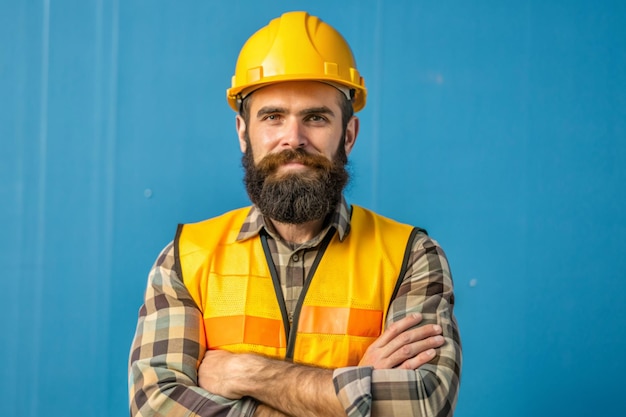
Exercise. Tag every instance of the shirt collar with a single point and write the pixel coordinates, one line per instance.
(255, 222)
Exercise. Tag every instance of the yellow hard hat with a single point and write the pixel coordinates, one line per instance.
(296, 46)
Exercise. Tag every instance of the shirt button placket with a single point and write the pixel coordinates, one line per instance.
(293, 259)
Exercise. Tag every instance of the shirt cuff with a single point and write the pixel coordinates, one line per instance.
(353, 386)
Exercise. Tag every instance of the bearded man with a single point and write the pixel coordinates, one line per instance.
(300, 305)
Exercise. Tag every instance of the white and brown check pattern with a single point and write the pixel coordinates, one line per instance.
(168, 345)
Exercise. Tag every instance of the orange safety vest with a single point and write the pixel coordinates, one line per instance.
(342, 308)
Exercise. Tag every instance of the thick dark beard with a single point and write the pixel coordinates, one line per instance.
(299, 197)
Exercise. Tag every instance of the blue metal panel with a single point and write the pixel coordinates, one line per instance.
(501, 128)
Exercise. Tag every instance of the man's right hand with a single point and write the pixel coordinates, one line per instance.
(404, 346)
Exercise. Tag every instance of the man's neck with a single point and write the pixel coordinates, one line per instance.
(298, 233)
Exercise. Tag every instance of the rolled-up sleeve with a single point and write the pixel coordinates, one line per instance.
(432, 389)
(167, 349)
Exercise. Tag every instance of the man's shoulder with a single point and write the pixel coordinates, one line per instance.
(205, 234)
(234, 213)
(370, 214)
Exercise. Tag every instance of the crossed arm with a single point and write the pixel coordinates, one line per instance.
(400, 373)
(283, 388)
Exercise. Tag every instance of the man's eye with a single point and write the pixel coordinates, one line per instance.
(316, 118)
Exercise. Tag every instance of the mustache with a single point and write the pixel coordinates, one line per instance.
(272, 161)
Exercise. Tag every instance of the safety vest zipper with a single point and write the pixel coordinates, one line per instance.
(291, 329)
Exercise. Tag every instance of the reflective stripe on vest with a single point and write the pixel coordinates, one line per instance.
(342, 308)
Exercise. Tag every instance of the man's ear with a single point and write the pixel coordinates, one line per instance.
(241, 132)
(352, 131)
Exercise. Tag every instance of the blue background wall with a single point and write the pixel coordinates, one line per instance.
(498, 126)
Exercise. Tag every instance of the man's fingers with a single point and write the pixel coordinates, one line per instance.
(408, 342)
(404, 344)
(415, 354)
(377, 353)
(397, 329)
(419, 360)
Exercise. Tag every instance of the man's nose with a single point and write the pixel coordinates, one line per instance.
(294, 135)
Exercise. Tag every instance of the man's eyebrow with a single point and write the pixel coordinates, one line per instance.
(263, 111)
(317, 110)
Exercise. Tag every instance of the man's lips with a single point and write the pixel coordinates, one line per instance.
(292, 166)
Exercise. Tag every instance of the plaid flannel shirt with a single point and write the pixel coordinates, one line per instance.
(167, 351)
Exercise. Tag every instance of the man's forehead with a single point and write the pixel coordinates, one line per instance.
(300, 94)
